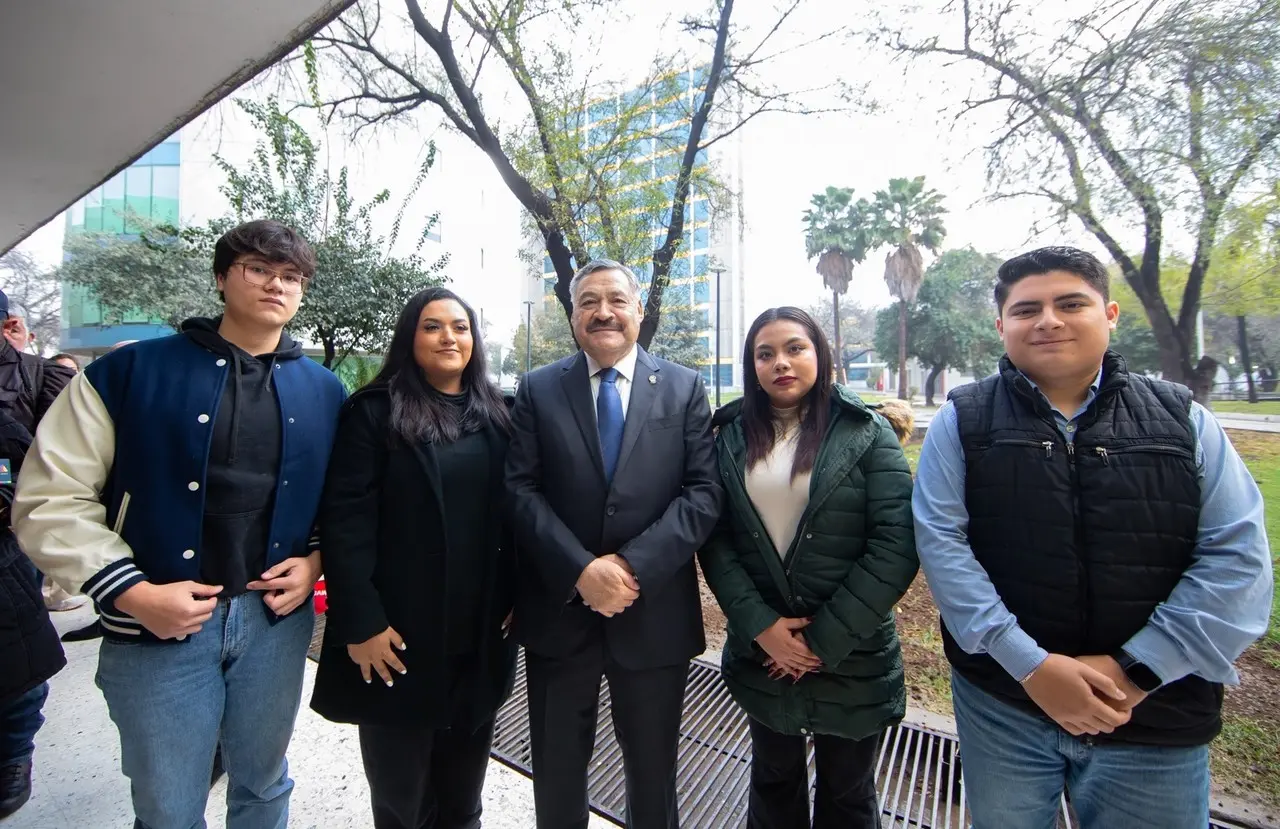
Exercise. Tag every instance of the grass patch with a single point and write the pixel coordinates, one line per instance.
(1261, 452)
(1263, 407)
(1245, 759)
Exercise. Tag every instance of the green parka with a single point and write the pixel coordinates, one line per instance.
(852, 559)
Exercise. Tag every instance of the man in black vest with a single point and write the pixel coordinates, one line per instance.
(1097, 549)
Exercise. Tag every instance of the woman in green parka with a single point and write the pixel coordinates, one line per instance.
(813, 550)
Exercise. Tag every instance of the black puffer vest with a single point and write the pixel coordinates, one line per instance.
(1083, 540)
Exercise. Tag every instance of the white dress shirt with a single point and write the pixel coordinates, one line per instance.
(626, 375)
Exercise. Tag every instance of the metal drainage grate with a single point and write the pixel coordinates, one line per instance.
(917, 770)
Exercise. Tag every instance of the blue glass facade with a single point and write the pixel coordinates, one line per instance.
(667, 117)
(148, 188)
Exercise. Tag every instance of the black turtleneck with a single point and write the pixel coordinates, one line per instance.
(244, 461)
(464, 477)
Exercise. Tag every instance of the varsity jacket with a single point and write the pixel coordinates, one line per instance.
(112, 493)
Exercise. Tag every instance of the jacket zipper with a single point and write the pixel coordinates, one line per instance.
(1158, 448)
(1082, 566)
(1046, 445)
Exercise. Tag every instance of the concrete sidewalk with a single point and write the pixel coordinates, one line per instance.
(78, 783)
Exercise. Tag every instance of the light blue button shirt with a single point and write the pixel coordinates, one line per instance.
(1220, 607)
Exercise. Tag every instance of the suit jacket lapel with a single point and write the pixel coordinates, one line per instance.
(643, 393)
(577, 388)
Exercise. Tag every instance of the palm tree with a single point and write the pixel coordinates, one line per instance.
(839, 234)
(909, 217)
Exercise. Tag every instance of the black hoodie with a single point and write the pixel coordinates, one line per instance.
(244, 461)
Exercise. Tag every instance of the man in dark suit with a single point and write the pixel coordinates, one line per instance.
(613, 481)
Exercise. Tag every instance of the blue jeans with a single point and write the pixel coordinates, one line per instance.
(19, 722)
(1016, 764)
(237, 681)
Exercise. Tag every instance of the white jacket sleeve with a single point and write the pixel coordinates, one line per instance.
(58, 515)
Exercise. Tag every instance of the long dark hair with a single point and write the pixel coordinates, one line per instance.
(815, 408)
(418, 411)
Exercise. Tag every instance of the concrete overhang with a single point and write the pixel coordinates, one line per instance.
(88, 86)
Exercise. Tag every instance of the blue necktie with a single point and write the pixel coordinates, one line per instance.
(609, 420)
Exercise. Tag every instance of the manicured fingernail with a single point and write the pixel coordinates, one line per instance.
(390, 683)
(403, 646)
(404, 671)
(368, 682)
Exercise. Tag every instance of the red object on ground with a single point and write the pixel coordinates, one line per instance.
(322, 597)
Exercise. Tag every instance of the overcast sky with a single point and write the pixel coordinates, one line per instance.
(897, 131)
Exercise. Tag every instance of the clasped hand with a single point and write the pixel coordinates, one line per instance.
(608, 585)
(1084, 695)
(789, 653)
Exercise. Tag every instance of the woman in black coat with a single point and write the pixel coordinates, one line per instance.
(419, 570)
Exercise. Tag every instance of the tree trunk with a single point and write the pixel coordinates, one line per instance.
(930, 383)
(1242, 328)
(1177, 361)
(842, 374)
(903, 392)
(329, 351)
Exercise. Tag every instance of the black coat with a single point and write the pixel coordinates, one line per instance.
(663, 503)
(30, 652)
(382, 537)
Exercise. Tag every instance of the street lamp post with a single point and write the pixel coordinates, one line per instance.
(528, 336)
(717, 270)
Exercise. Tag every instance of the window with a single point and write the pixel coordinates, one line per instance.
(549, 286)
(677, 296)
(705, 371)
(705, 344)
(137, 191)
(702, 211)
(706, 318)
(701, 265)
(701, 292)
(113, 189)
(547, 266)
(726, 374)
(164, 182)
(603, 110)
(701, 238)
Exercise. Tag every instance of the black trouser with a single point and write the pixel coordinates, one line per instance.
(423, 778)
(846, 791)
(646, 705)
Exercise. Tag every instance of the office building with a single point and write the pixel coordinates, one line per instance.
(147, 189)
(714, 228)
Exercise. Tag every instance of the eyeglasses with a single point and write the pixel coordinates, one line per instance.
(261, 276)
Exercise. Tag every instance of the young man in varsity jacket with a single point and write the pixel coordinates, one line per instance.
(176, 483)
(1096, 547)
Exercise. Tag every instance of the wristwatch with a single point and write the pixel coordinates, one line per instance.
(1143, 678)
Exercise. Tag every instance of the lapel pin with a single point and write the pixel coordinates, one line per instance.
(653, 379)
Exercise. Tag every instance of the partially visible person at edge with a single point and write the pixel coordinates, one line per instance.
(1096, 547)
(613, 488)
(177, 483)
(29, 648)
(814, 549)
(420, 570)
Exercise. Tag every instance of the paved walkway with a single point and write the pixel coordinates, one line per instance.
(78, 784)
